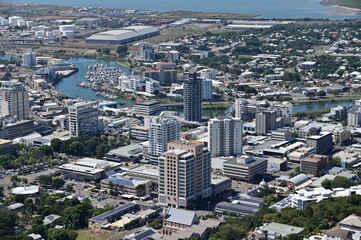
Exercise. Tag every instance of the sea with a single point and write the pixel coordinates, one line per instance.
(285, 9)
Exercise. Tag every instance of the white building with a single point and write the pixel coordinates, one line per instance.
(29, 59)
(225, 137)
(207, 89)
(14, 100)
(162, 130)
(173, 56)
(208, 73)
(14, 20)
(146, 51)
(83, 119)
(151, 86)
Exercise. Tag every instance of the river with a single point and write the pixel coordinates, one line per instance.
(264, 8)
(69, 86)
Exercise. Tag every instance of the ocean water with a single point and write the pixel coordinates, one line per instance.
(263, 8)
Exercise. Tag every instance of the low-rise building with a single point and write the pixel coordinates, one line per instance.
(244, 168)
(146, 108)
(139, 132)
(145, 171)
(244, 205)
(276, 231)
(111, 216)
(89, 169)
(177, 219)
(128, 185)
(6, 146)
(220, 184)
(313, 164)
(130, 153)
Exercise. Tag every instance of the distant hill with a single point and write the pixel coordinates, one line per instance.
(346, 3)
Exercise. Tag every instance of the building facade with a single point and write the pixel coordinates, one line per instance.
(29, 59)
(192, 99)
(225, 137)
(207, 89)
(184, 174)
(265, 121)
(14, 100)
(146, 51)
(162, 130)
(83, 119)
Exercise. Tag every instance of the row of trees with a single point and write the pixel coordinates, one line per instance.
(88, 145)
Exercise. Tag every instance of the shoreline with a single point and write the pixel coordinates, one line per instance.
(340, 10)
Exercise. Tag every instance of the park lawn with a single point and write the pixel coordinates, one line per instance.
(93, 235)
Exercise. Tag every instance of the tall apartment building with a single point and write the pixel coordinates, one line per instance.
(207, 89)
(29, 59)
(184, 174)
(208, 73)
(162, 130)
(354, 117)
(14, 100)
(83, 119)
(265, 121)
(192, 99)
(146, 51)
(163, 76)
(173, 56)
(225, 137)
(246, 110)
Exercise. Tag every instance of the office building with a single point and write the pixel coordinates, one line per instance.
(184, 174)
(173, 56)
(322, 142)
(207, 89)
(246, 110)
(225, 137)
(128, 185)
(131, 153)
(192, 99)
(166, 77)
(83, 119)
(146, 51)
(6, 146)
(14, 100)
(17, 129)
(29, 59)
(313, 163)
(265, 122)
(244, 168)
(146, 108)
(162, 130)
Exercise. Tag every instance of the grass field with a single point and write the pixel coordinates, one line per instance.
(170, 34)
(92, 235)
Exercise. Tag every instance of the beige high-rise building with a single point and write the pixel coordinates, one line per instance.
(14, 100)
(184, 174)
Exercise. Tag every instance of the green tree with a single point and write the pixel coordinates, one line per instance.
(122, 49)
(106, 51)
(327, 183)
(56, 144)
(61, 234)
(321, 93)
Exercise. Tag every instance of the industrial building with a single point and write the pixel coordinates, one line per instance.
(123, 36)
(244, 205)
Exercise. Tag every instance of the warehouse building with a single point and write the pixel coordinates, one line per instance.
(123, 36)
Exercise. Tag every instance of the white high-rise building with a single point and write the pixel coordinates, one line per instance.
(207, 89)
(146, 51)
(14, 100)
(225, 137)
(162, 130)
(29, 59)
(184, 174)
(208, 73)
(83, 119)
